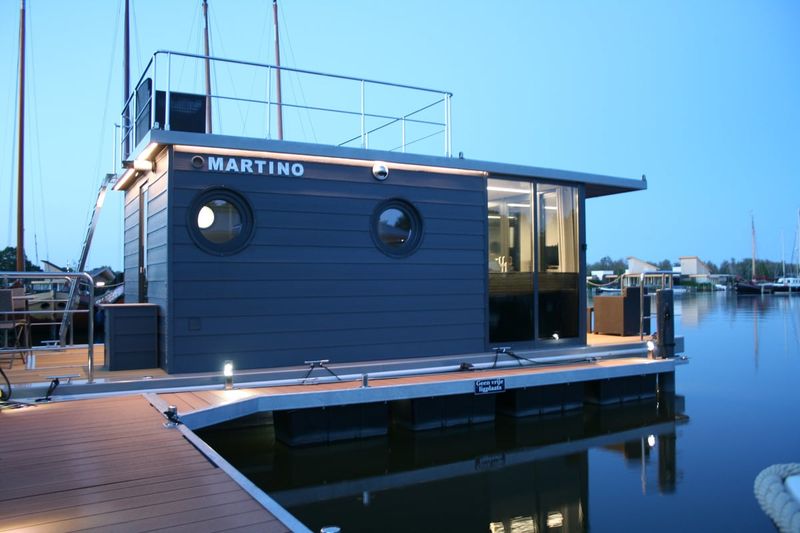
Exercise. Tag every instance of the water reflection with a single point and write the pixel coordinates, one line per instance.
(528, 474)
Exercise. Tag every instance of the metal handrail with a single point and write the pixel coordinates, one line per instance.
(131, 114)
(77, 276)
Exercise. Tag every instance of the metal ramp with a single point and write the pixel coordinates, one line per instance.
(72, 300)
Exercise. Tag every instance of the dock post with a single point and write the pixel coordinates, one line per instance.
(665, 320)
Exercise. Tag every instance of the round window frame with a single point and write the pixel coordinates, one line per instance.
(235, 198)
(417, 228)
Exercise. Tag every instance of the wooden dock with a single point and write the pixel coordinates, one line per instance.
(111, 465)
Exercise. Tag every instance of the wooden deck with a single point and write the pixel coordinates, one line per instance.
(110, 465)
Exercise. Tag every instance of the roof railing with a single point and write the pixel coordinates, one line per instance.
(321, 108)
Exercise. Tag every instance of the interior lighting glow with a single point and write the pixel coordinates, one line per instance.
(507, 189)
(100, 284)
(205, 218)
(519, 205)
(555, 520)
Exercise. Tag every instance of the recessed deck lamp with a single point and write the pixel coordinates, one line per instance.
(227, 371)
(651, 348)
(556, 336)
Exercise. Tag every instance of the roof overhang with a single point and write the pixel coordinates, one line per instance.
(595, 184)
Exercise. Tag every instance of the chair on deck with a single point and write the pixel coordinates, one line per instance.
(619, 315)
(14, 326)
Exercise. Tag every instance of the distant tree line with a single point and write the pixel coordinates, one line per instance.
(8, 261)
(765, 269)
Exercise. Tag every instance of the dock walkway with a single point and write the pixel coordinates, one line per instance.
(110, 465)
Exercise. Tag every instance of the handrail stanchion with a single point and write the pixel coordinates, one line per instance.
(403, 133)
(169, 90)
(269, 102)
(363, 124)
(641, 306)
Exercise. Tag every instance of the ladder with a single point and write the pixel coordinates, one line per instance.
(72, 301)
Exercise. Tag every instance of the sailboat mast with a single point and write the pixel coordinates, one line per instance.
(278, 71)
(126, 54)
(753, 264)
(21, 144)
(126, 76)
(208, 67)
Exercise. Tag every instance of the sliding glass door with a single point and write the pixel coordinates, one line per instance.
(510, 261)
(558, 262)
(533, 262)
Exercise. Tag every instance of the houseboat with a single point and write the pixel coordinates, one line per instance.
(272, 253)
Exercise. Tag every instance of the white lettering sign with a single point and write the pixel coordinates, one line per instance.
(265, 167)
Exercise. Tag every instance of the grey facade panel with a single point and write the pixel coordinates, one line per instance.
(312, 284)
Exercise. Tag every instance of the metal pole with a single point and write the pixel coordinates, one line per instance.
(278, 73)
(90, 333)
(126, 80)
(208, 66)
(363, 125)
(447, 132)
(153, 94)
(641, 306)
(169, 90)
(21, 145)
(269, 102)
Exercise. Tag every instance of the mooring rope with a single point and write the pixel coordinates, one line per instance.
(775, 500)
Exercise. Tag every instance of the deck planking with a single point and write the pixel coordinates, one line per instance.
(109, 464)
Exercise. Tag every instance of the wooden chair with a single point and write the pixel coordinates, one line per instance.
(14, 326)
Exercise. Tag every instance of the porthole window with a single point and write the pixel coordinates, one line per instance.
(397, 228)
(220, 221)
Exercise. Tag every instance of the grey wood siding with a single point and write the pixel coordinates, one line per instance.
(312, 284)
(157, 244)
(131, 244)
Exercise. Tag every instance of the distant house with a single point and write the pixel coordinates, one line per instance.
(602, 274)
(692, 266)
(637, 266)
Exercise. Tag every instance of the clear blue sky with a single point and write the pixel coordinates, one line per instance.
(702, 97)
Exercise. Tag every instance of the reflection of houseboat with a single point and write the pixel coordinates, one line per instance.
(271, 253)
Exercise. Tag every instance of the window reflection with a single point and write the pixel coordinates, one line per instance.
(558, 261)
(510, 261)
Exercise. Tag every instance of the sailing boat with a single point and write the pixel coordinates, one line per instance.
(790, 284)
(752, 286)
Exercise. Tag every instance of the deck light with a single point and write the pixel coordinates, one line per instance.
(651, 440)
(556, 336)
(227, 371)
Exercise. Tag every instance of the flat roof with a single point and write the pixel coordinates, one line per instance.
(596, 184)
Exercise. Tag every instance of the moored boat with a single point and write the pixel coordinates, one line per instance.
(787, 285)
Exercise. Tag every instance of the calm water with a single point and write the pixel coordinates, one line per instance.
(687, 465)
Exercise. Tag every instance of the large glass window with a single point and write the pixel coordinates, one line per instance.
(558, 261)
(510, 261)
